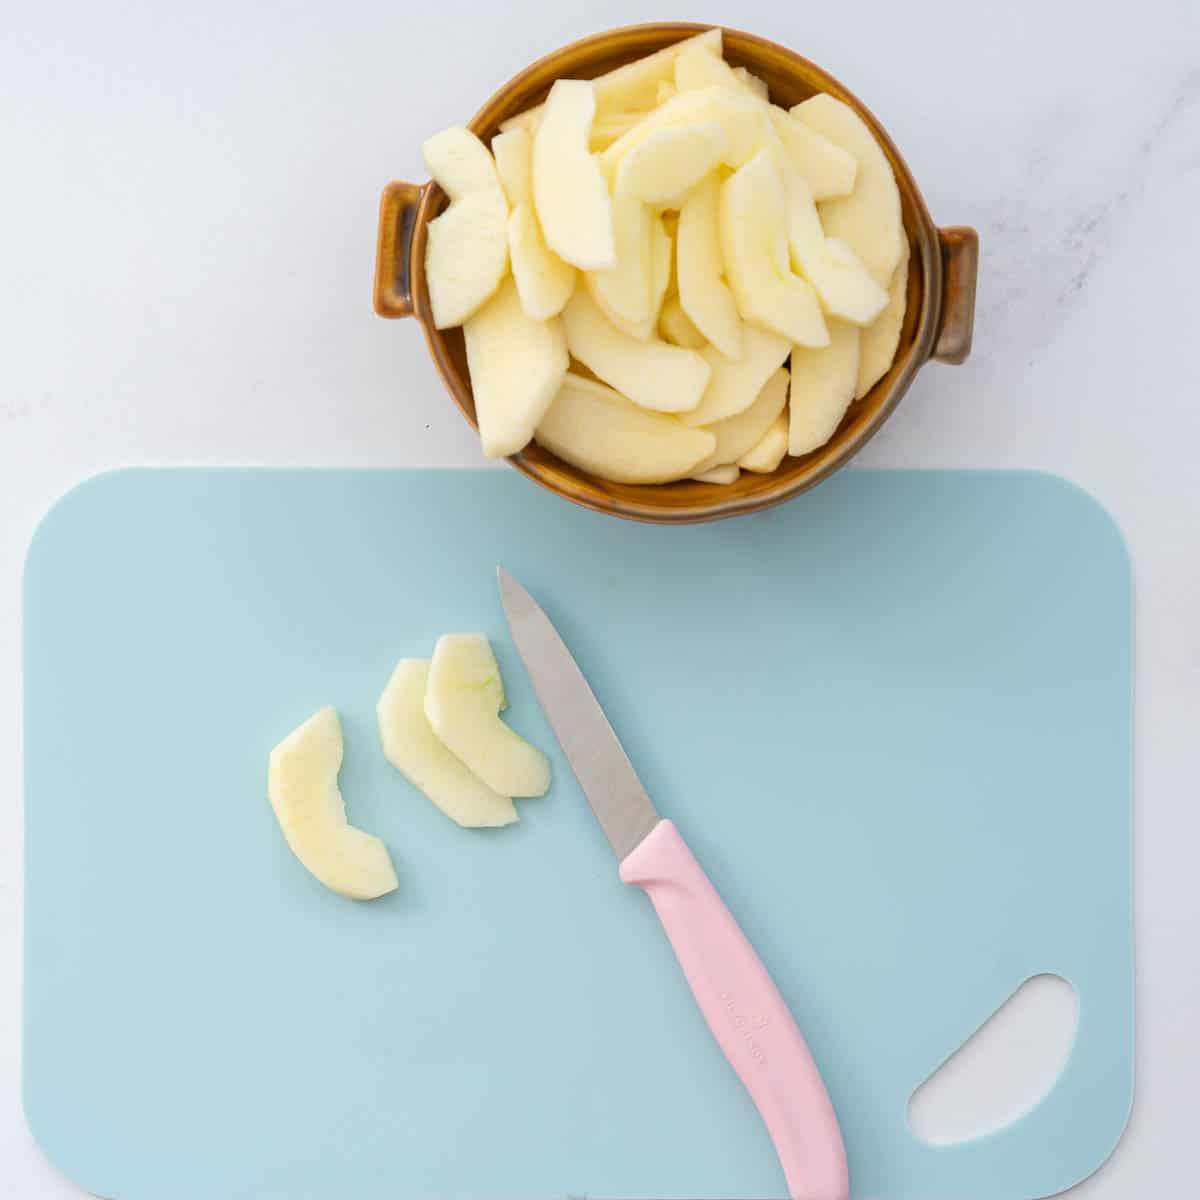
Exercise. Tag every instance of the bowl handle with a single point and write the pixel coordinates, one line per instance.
(960, 268)
(393, 274)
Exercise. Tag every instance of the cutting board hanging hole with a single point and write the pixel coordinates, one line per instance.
(1003, 1070)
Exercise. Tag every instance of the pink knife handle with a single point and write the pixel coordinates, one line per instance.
(746, 1014)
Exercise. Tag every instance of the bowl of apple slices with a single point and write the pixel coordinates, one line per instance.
(674, 273)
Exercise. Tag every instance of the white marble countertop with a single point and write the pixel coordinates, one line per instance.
(188, 224)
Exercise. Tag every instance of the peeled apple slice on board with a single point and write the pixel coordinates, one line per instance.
(653, 373)
(544, 281)
(754, 244)
(412, 747)
(517, 365)
(569, 192)
(463, 702)
(302, 782)
(868, 220)
(599, 431)
(822, 388)
(467, 250)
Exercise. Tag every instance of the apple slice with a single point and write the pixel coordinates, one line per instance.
(868, 220)
(599, 431)
(827, 169)
(652, 373)
(754, 244)
(302, 782)
(877, 346)
(630, 90)
(769, 451)
(635, 85)
(463, 702)
(607, 127)
(822, 388)
(544, 281)
(728, 473)
(739, 434)
(669, 161)
(736, 384)
(665, 91)
(677, 328)
(844, 286)
(467, 251)
(698, 67)
(624, 288)
(752, 83)
(517, 365)
(703, 292)
(570, 194)
(661, 256)
(412, 747)
(740, 115)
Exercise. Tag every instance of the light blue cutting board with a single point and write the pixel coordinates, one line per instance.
(892, 718)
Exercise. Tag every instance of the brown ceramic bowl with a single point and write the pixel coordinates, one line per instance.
(941, 283)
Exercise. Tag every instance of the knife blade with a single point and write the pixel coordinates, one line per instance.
(596, 756)
(741, 1004)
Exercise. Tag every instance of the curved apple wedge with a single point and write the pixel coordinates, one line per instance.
(467, 252)
(463, 701)
(868, 220)
(598, 430)
(303, 788)
(754, 243)
(412, 747)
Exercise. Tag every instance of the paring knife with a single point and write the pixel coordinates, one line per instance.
(742, 1006)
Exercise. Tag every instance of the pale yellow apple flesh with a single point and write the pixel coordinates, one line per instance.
(302, 783)
(751, 82)
(635, 85)
(517, 365)
(703, 292)
(739, 434)
(877, 346)
(569, 191)
(868, 220)
(669, 161)
(735, 385)
(740, 115)
(463, 700)
(728, 473)
(661, 258)
(628, 91)
(698, 67)
(412, 747)
(822, 388)
(827, 169)
(754, 244)
(844, 286)
(544, 281)
(652, 374)
(677, 328)
(466, 253)
(770, 450)
(599, 431)
(624, 288)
